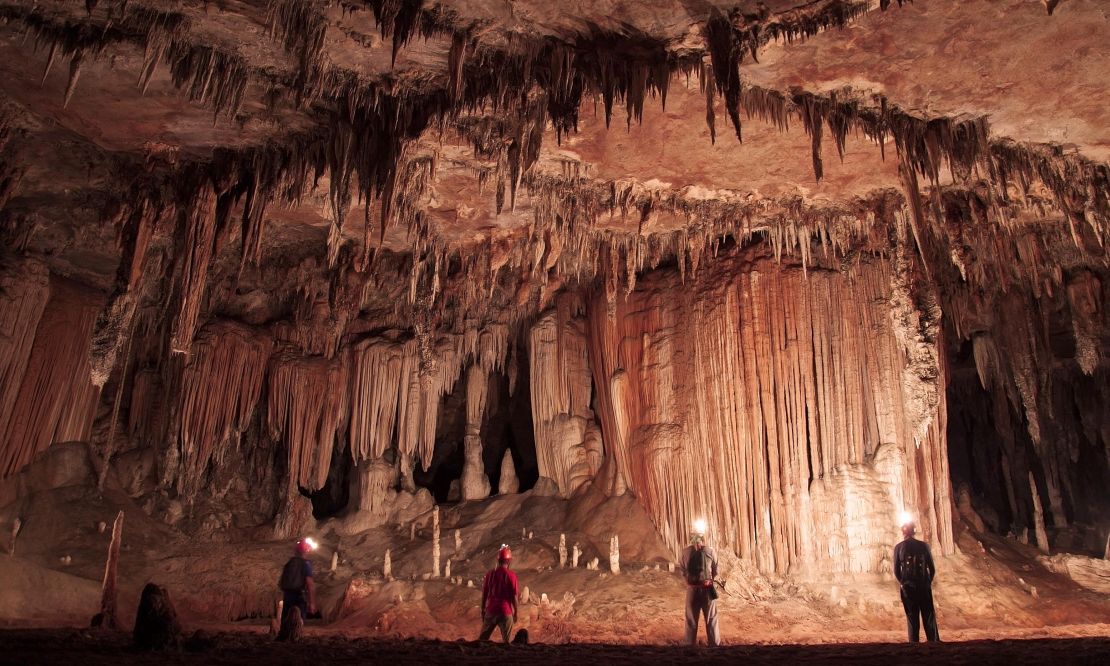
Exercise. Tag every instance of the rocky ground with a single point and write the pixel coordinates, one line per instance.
(223, 584)
(93, 649)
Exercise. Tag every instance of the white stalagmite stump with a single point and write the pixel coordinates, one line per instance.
(334, 561)
(562, 551)
(412, 532)
(435, 542)
(447, 569)
(16, 524)
(387, 567)
(592, 566)
(509, 484)
(615, 554)
(575, 553)
(525, 595)
(458, 542)
(1038, 516)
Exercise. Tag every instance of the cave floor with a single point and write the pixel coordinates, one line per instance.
(66, 646)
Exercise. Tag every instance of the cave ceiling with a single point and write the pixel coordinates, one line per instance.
(410, 125)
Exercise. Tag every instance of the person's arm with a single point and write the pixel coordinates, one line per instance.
(897, 564)
(310, 586)
(683, 560)
(929, 566)
(713, 571)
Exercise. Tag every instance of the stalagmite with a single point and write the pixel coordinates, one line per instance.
(16, 525)
(593, 564)
(447, 569)
(575, 554)
(106, 618)
(615, 554)
(435, 542)
(334, 561)
(458, 543)
(562, 551)
(475, 483)
(156, 624)
(1038, 516)
(412, 531)
(508, 484)
(525, 595)
(387, 566)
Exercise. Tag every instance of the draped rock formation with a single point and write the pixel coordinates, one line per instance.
(277, 262)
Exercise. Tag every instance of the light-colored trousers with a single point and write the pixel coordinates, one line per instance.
(698, 603)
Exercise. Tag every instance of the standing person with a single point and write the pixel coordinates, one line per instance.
(499, 593)
(296, 582)
(699, 563)
(913, 567)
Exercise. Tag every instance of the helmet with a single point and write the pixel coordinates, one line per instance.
(909, 529)
(505, 553)
(305, 545)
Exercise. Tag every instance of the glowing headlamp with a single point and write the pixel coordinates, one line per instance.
(905, 518)
(311, 543)
(699, 526)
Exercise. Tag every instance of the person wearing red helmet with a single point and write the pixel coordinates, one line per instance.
(296, 583)
(499, 595)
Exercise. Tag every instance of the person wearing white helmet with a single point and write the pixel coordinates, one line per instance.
(914, 570)
(699, 564)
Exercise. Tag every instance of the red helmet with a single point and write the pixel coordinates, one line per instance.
(305, 545)
(504, 553)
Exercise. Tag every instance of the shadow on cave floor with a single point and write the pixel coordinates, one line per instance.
(51, 646)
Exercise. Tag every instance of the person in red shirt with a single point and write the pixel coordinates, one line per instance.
(499, 593)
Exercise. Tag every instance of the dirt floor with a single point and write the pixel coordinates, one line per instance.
(93, 648)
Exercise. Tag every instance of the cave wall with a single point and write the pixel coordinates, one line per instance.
(780, 406)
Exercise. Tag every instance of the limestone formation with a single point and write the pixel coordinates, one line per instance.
(615, 554)
(334, 561)
(156, 624)
(280, 264)
(447, 569)
(508, 483)
(475, 483)
(1038, 516)
(107, 618)
(387, 566)
(435, 542)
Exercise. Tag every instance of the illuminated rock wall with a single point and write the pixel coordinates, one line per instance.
(792, 411)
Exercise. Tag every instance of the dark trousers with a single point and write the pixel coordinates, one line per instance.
(918, 602)
(502, 622)
(700, 601)
(295, 600)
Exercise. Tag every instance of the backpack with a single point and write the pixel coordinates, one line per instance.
(292, 576)
(697, 568)
(913, 568)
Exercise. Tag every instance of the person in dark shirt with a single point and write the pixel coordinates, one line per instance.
(699, 565)
(914, 570)
(499, 596)
(296, 583)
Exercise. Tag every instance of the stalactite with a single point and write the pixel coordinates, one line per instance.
(194, 239)
(55, 401)
(24, 292)
(782, 421)
(220, 388)
(306, 412)
(561, 391)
